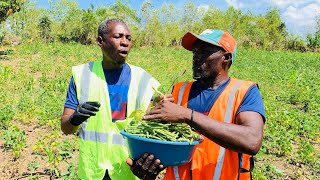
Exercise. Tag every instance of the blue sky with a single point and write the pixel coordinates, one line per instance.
(299, 15)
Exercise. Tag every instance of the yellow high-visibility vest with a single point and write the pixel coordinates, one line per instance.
(101, 145)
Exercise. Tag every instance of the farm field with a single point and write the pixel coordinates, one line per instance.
(34, 79)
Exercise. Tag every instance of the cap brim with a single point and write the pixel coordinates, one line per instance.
(189, 39)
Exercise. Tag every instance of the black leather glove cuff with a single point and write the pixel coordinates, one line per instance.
(75, 120)
(83, 112)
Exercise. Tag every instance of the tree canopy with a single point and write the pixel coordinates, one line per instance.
(65, 22)
(8, 7)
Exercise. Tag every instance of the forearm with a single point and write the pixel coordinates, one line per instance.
(66, 126)
(240, 138)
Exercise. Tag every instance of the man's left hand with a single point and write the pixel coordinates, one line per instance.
(167, 97)
(146, 167)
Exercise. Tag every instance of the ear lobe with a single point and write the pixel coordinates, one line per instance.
(99, 40)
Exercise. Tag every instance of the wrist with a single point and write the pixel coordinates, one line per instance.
(75, 120)
(189, 117)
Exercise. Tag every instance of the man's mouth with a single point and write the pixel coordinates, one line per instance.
(123, 53)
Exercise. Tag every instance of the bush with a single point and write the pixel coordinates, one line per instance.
(296, 43)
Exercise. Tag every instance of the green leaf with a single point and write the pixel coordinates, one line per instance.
(137, 115)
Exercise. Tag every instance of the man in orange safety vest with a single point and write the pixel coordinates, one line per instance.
(228, 112)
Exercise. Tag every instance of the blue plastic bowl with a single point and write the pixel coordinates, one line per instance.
(170, 153)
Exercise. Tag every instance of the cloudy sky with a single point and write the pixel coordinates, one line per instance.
(299, 15)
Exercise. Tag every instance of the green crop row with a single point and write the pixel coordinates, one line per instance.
(34, 80)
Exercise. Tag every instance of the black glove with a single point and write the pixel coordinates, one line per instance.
(83, 112)
(146, 167)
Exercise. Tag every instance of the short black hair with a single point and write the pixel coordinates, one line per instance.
(103, 28)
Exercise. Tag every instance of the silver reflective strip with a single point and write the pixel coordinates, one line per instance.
(101, 137)
(180, 96)
(85, 83)
(142, 88)
(181, 92)
(84, 90)
(227, 119)
(118, 139)
(217, 171)
(176, 173)
(93, 136)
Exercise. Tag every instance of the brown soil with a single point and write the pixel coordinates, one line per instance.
(11, 168)
(18, 169)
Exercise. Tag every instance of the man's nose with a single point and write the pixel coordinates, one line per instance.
(125, 42)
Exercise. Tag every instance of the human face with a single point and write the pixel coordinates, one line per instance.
(207, 61)
(116, 44)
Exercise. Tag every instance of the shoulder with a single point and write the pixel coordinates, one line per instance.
(138, 70)
(242, 83)
(242, 86)
(81, 66)
(142, 74)
(253, 101)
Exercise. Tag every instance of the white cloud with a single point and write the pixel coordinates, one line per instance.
(302, 15)
(235, 3)
(296, 3)
(302, 19)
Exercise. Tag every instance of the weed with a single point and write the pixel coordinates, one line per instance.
(33, 165)
(15, 140)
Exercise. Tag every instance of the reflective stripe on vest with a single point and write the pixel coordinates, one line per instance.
(85, 82)
(181, 91)
(227, 119)
(84, 96)
(101, 137)
(180, 95)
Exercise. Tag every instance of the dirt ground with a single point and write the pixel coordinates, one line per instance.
(19, 169)
(11, 168)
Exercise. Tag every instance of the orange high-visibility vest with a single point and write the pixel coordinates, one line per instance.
(211, 161)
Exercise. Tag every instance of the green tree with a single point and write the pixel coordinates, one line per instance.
(295, 43)
(8, 7)
(44, 27)
(215, 19)
(23, 23)
(123, 11)
(313, 40)
(275, 29)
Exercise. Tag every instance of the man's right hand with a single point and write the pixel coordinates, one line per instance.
(83, 112)
(147, 167)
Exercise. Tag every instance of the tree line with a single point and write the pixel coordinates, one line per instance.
(65, 22)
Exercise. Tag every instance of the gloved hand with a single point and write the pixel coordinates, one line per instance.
(146, 167)
(83, 112)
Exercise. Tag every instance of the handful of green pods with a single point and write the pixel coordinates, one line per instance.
(163, 131)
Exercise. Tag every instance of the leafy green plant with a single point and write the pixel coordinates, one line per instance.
(15, 140)
(33, 87)
(71, 173)
(33, 165)
(8, 7)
